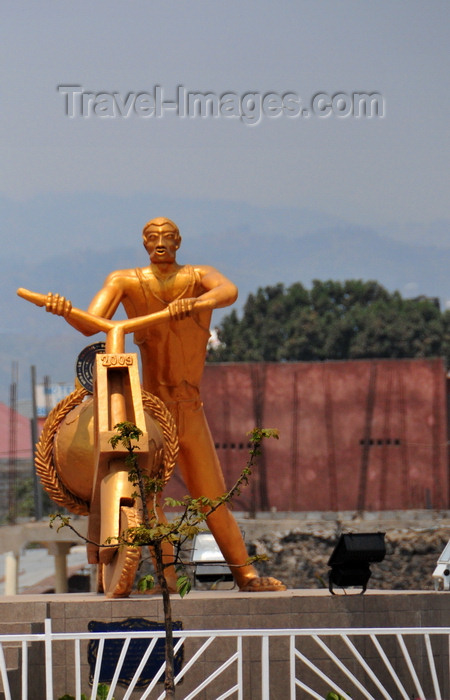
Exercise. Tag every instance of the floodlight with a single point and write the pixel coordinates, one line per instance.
(209, 560)
(441, 573)
(351, 558)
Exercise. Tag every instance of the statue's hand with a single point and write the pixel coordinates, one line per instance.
(56, 304)
(181, 308)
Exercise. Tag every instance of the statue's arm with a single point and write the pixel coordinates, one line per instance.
(60, 306)
(104, 305)
(107, 300)
(219, 290)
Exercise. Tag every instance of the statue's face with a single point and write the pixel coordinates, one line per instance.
(162, 244)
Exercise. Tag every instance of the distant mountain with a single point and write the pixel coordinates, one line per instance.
(252, 247)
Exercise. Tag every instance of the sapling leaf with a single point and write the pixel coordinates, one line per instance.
(146, 583)
(183, 585)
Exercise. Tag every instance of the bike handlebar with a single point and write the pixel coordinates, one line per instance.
(115, 330)
(94, 323)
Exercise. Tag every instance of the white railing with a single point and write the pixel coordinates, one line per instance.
(369, 663)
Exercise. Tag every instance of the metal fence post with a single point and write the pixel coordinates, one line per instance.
(265, 676)
(48, 660)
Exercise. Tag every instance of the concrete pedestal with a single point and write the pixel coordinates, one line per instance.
(215, 610)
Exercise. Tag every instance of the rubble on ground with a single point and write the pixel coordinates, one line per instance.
(300, 558)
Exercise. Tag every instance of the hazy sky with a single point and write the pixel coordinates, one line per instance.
(69, 184)
(389, 171)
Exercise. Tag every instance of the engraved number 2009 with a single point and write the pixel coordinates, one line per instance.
(116, 360)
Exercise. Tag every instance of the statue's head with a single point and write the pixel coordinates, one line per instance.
(161, 233)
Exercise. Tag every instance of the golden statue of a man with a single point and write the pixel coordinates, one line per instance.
(173, 356)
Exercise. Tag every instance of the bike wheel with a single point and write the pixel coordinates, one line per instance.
(118, 576)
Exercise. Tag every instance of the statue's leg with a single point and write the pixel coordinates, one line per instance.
(202, 473)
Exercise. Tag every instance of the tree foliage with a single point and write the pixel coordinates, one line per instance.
(25, 500)
(332, 321)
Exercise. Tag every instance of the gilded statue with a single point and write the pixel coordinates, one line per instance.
(172, 357)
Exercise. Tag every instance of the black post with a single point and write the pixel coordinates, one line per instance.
(34, 438)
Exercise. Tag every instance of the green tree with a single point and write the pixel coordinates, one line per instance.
(26, 507)
(332, 321)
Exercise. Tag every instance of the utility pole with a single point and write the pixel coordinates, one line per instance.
(12, 459)
(34, 438)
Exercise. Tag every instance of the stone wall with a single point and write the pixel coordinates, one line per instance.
(228, 610)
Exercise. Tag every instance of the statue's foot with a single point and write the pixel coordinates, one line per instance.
(262, 584)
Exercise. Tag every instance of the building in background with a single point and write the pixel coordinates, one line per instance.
(363, 435)
(17, 467)
(354, 435)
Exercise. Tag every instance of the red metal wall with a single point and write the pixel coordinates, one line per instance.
(357, 435)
